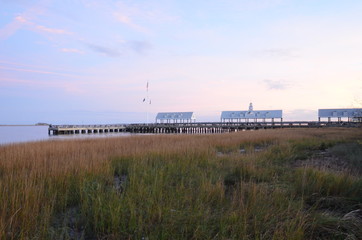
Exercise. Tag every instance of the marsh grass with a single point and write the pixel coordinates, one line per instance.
(225, 186)
(351, 152)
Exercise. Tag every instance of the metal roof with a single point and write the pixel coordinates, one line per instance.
(344, 112)
(251, 114)
(175, 116)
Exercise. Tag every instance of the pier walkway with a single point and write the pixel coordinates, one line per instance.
(76, 129)
(191, 128)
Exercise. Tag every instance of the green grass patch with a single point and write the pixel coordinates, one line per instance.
(310, 181)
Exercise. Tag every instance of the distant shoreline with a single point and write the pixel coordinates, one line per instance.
(20, 125)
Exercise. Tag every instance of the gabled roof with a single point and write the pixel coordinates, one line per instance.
(251, 114)
(175, 116)
(343, 112)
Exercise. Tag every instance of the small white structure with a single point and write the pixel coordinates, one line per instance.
(238, 116)
(349, 114)
(175, 117)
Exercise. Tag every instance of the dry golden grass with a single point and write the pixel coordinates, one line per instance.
(216, 191)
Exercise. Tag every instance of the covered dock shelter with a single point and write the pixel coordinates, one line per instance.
(175, 117)
(346, 114)
(251, 115)
(247, 116)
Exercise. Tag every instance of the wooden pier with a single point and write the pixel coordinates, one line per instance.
(82, 129)
(191, 128)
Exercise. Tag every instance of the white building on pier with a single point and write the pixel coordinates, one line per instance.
(251, 115)
(175, 117)
(348, 114)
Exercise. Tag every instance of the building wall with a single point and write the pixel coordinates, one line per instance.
(335, 113)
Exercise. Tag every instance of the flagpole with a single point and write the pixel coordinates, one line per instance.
(147, 103)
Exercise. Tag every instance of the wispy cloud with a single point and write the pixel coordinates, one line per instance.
(140, 46)
(71, 50)
(276, 85)
(110, 52)
(127, 13)
(26, 20)
(135, 46)
(124, 19)
(40, 28)
(17, 69)
(133, 14)
(11, 28)
(51, 30)
(21, 21)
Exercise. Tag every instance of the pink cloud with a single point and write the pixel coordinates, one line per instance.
(50, 30)
(12, 27)
(23, 21)
(127, 21)
(123, 19)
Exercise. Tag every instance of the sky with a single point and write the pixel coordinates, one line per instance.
(89, 61)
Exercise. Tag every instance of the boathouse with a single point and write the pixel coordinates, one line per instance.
(175, 117)
(251, 115)
(346, 114)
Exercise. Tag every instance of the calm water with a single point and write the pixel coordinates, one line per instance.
(17, 134)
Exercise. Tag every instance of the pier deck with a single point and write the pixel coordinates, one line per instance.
(76, 129)
(191, 128)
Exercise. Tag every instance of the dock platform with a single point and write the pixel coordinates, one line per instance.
(191, 128)
(82, 129)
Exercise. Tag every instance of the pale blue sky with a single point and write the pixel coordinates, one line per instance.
(88, 61)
